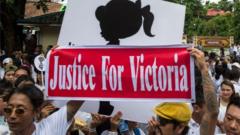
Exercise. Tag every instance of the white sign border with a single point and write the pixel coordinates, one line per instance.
(192, 76)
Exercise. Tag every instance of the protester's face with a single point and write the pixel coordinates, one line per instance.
(9, 76)
(166, 127)
(20, 72)
(18, 54)
(19, 112)
(199, 110)
(226, 92)
(232, 120)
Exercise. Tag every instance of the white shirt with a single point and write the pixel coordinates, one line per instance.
(194, 128)
(236, 87)
(4, 130)
(221, 115)
(55, 124)
(2, 71)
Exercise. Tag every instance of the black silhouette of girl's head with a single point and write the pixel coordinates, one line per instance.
(123, 18)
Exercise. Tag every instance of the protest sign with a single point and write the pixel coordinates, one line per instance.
(120, 73)
(153, 22)
(39, 62)
(125, 23)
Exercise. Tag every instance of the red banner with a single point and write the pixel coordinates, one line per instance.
(144, 73)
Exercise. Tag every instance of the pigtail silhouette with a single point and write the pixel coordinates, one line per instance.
(123, 18)
(148, 20)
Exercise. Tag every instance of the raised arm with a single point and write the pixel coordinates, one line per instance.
(209, 119)
(72, 108)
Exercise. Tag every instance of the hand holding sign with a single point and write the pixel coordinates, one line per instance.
(200, 59)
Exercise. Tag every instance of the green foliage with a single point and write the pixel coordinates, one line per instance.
(218, 26)
(10, 12)
(225, 5)
(197, 23)
(236, 21)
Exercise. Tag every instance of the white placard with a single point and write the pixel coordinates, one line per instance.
(39, 62)
(81, 27)
(135, 111)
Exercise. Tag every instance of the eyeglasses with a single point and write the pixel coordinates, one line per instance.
(18, 111)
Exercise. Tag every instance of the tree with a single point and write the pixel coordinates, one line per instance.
(10, 12)
(236, 21)
(218, 26)
(194, 14)
(197, 23)
(225, 5)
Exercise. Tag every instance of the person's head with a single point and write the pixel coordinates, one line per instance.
(9, 73)
(227, 90)
(173, 118)
(234, 73)
(40, 77)
(18, 54)
(232, 117)
(5, 89)
(218, 71)
(38, 49)
(7, 61)
(23, 80)
(22, 71)
(22, 106)
(199, 105)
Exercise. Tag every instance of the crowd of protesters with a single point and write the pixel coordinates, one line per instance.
(24, 110)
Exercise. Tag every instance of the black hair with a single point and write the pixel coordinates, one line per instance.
(226, 71)
(235, 100)
(185, 130)
(212, 55)
(37, 71)
(219, 71)
(234, 74)
(23, 78)
(32, 92)
(24, 68)
(206, 53)
(5, 88)
(175, 123)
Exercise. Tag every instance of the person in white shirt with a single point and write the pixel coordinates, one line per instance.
(232, 117)
(23, 105)
(198, 111)
(226, 93)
